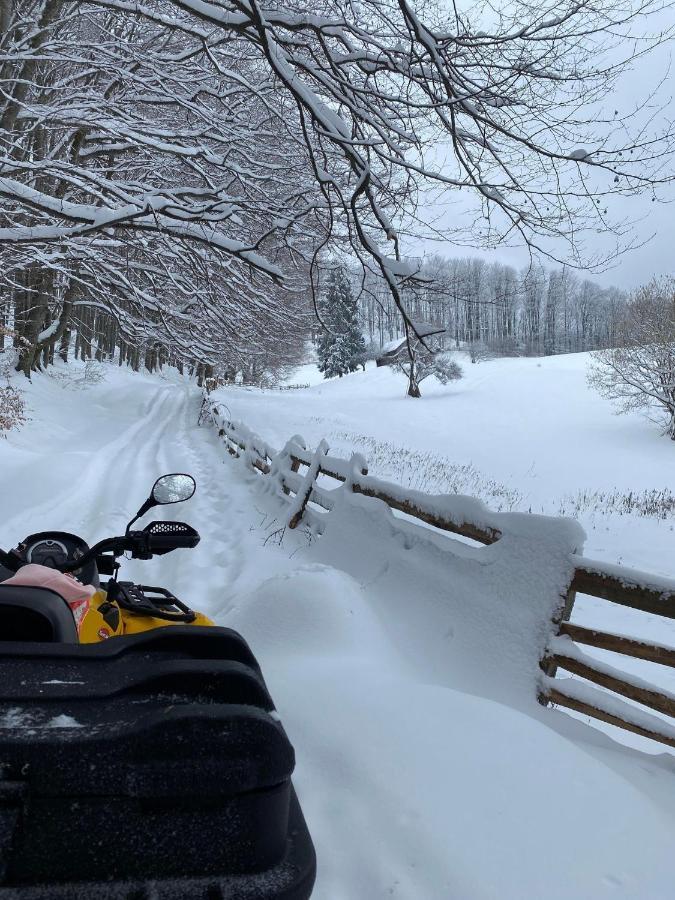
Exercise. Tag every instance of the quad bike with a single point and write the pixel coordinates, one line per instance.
(140, 752)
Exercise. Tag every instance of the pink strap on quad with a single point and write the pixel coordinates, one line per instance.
(77, 595)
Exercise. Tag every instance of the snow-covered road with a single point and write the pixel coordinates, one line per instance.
(415, 784)
(88, 459)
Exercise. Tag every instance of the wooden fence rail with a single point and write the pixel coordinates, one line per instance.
(639, 591)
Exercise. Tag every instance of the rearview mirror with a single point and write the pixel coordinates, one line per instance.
(173, 488)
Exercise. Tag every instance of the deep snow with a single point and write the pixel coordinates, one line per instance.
(522, 434)
(528, 425)
(421, 775)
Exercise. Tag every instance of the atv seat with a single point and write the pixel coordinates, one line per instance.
(35, 614)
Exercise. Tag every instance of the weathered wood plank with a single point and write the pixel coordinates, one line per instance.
(624, 592)
(563, 614)
(323, 470)
(595, 712)
(295, 465)
(654, 699)
(466, 529)
(260, 464)
(604, 640)
(308, 485)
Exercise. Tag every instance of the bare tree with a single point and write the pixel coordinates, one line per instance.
(192, 161)
(561, 314)
(639, 373)
(246, 135)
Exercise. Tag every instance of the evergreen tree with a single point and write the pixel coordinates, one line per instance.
(341, 347)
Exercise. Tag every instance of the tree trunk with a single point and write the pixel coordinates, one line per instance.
(65, 345)
(62, 328)
(413, 385)
(29, 325)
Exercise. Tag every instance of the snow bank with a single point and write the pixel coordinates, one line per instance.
(384, 663)
(414, 787)
(500, 599)
(530, 426)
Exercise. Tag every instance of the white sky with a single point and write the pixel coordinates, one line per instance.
(655, 221)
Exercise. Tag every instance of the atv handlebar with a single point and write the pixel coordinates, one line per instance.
(155, 539)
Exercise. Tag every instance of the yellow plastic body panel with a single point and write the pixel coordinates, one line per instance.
(96, 627)
(135, 624)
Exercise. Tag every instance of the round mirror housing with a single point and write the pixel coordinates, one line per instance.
(173, 488)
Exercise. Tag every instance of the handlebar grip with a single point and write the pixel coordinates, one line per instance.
(165, 536)
(10, 561)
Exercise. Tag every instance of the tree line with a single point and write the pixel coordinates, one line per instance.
(493, 308)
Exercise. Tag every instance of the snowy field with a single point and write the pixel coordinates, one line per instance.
(521, 434)
(423, 770)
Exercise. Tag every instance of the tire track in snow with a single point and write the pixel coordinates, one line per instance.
(111, 472)
(219, 557)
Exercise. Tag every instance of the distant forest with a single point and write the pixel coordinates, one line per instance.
(494, 308)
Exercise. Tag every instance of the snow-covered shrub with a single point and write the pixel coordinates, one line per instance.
(12, 405)
(81, 377)
(445, 369)
(480, 351)
(12, 409)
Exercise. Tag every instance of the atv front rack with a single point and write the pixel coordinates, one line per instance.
(149, 601)
(147, 766)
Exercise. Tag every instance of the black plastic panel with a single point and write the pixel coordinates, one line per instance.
(152, 761)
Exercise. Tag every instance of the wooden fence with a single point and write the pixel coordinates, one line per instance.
(298, 470)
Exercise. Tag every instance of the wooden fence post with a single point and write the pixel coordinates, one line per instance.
(312, 474)
(548, 664)
(295, 465)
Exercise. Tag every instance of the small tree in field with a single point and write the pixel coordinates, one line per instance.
(341, 347)
(423, 362)
(639, 373)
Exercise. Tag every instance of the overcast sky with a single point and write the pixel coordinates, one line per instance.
(654, 221)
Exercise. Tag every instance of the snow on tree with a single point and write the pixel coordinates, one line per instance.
(132, 208)
(341, 347)
(639, 372)
(181, 165)
(425, 359)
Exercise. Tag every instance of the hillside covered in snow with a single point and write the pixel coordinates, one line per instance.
(425, 767)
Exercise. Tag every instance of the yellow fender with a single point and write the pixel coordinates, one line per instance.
(105, 619)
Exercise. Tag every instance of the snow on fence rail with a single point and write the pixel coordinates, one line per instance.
(638, 590)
